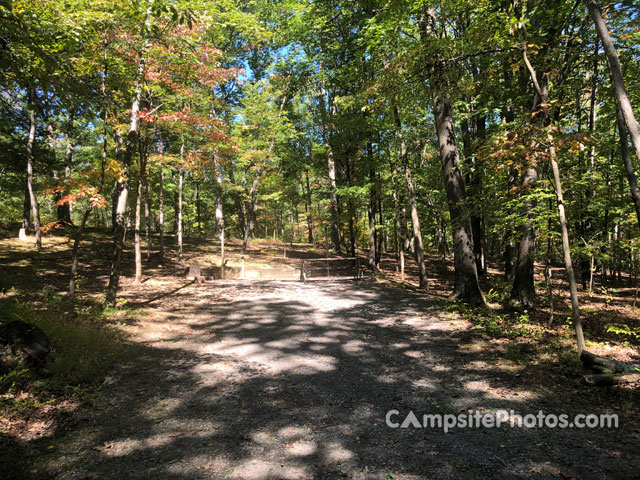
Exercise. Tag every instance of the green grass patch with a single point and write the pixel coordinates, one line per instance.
(84, 348)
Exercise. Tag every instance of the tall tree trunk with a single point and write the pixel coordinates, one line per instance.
(373, 264)
(523, 290)
(35, 208)
(219, 210)
(617, 80)
(250, 205)
(307, 207)
(466, 286)
(147, 214)
(628, 163)
(180, 192)
(543, 93)
(398, 230)
(121, 209)
(510, 247)
(161, 213)
(575, 307)
(198, 218)
(331, 169)
(413, 207)
(477, 214)
(117, 187)
(138, 221)
(64, 209)
(588, 220)
(26, 214)
(523, 287)
(335, 227)
(380, 235)
(105, 134)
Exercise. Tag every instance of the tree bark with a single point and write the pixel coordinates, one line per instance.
(180, 188)
(307, 206)
(617, 80)
(575, 307)
(64, 210)
(35, 208)
(198, 218)
(398, 230)
(138, 222)
(161, 213)
(628, 163)
(78, 238)
(413, 208)
(466, 286)
(523, 290)
(147, 212)
(373, 264)
(219, 210)
(26, 213)
(331, 170)
(121, 209)
(543, 92)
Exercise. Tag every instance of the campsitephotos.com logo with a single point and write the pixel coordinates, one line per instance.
(499, 419)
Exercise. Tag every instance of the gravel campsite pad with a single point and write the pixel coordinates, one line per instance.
(290, 380)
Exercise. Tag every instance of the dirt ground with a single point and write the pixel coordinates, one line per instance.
(274, 379)
(284, 380)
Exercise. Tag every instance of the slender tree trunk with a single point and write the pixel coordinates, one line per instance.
(413, 208)
(617, 80)
(219, 211)
(180, 189)
(138, 221)
(373, 264)
(121, 209)
(147, 213)
(117, 187)
(466, 286)
(542, 92)
(335, 228)
(161, 213)
(587, 260)
(307, 207)
(78, 238)
(398, 230)
(523, 290)
(64, 210)
(628, 163)
(575, 306)
(380, 235)
(331, 169)
(35, 208)
(26, 214)
(198, 218)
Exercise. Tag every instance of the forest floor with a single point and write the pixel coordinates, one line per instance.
(278, 379)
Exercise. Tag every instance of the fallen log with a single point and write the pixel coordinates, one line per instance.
(601, 364)
(609, 371)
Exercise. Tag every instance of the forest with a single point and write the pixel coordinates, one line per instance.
(219, 217)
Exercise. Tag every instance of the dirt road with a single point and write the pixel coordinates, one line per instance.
(284, 380)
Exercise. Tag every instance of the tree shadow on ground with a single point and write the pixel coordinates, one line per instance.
(285, 380)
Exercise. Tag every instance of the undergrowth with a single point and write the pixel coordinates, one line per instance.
(84, 348)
